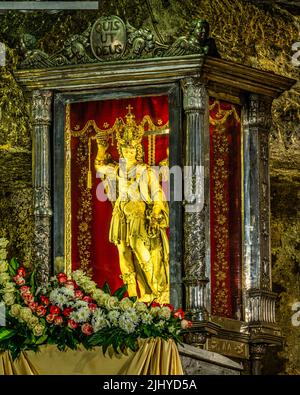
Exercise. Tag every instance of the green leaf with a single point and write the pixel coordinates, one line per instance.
(106, 288)
(41, 339)
(120, 292)
(32, 282)
(6, 333)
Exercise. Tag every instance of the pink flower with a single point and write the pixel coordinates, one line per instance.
(78, 294)
(72, 324)
(185, 324)
(50, 318)
(19, 280)
(62, 278)
(87, 329)
(179, 314)
(41, 311)
(67, 311)
(45, 300)
(92, 306)
(155, 304)
(87, 299)
(69, 284)
(33, 306)
(21, 271)
(54, 310)
(28, 297)
(58, 320)
(169, 305)
(24, 289)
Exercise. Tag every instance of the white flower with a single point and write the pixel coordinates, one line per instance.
(126, 324)
(58, 298)
(102, 299)
(33, 322)
(99, 320)
(113, 317)
(164, 313)
(125, 304)
(3, 254)
(25, 314)
(89, 286)
(160, 324)
(4, 278)
(80, 303)
(96, 294)
(38, 330)
(3, 266)
(9, 287)
(9, 298)
(111, 303)
(81, 315)
(15, 310)
(154, 311)
(140, 307)
(68, 292)
(146, 318)
(132, 315)
(78, 275)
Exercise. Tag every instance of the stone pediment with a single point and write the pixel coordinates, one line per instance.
(109, 38)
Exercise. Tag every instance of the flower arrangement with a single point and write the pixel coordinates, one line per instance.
(73, 311)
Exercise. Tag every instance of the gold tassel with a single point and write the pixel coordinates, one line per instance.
(89, 175)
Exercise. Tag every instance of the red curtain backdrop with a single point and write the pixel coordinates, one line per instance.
(225, 208)
(91, 217)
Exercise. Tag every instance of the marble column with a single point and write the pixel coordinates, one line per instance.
(195, 104)
(41, 112)
(258, 296)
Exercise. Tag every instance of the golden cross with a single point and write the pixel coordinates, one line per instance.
(129, 108)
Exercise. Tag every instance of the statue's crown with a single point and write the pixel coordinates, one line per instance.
(129, 133)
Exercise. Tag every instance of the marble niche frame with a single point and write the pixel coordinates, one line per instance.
(194, 78)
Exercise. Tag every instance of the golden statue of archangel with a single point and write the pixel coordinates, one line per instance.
(140, 216)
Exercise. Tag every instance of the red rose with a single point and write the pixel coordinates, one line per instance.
(21, 271)
(179, 314)
(87, 329)
(69, 284)
(19, 280)
(169, 305)
(185, 324)
(62, 278)
(92, 306)
(78, 294)
(45, 300)
(87, 299)
(54, 310)
(58, 320)
(40, 311)
(24, 289)
(155, 304)
(75, 284)
(28, 297)
(72, 324)
(33, 306)
(67, 311)
(50, 318)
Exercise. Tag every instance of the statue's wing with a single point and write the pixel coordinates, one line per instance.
(178, 48)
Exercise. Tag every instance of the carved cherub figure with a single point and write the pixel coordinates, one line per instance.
(197, 41)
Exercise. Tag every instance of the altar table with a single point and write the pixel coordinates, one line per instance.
(154, 357)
